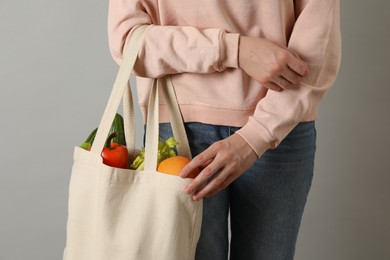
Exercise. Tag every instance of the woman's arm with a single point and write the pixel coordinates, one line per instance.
(169, 49)
(316, 38)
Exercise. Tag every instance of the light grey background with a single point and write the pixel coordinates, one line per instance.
(55, 77)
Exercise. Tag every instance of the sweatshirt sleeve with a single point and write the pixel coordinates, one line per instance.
(316, 38)
(168, 49)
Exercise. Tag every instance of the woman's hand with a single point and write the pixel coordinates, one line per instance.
(222, 163)
(273, 66)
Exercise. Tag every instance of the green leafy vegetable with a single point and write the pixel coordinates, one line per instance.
(165, 150)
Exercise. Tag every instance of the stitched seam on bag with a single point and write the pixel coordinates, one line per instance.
(193, 229)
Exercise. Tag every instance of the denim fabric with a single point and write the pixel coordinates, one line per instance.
(266, 202)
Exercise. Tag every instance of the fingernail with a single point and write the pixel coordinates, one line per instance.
(196, 198)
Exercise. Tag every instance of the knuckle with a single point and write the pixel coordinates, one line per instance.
(283, 56)
(217, 182)
(200, 158)
(196, 182)
(295, 79)
(224, 156)
(216, 146)
(276, 68)
(209, 171)
(265, 79)
(228, 155)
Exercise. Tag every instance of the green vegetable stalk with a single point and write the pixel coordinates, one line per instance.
(116, 127)
(88, 142)
(165, 150)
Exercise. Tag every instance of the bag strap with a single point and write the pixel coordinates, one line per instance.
(121, 81)
(183, 148)
(151, 142)
(129, 121)
(122, 89)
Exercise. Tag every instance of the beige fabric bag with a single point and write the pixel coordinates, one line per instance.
(119, 214)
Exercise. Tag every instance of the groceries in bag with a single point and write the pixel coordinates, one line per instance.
(115, 153)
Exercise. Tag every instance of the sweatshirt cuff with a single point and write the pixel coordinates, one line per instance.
(231, 42)
(256, 136)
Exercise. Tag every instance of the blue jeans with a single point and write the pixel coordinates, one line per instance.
(266, 202)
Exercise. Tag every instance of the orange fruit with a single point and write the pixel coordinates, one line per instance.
(173, 166)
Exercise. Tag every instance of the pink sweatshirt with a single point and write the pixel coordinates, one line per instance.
(197, 43)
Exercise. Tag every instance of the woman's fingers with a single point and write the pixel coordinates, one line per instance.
(198, 162)
(224, 161)
(285, 79)
(291, 76)
(224, 184)
(272, 86)
(297, 64)
(273, 66)
(220, 181)
(206, 174)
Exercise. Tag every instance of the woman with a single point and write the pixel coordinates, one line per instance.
(249, 77)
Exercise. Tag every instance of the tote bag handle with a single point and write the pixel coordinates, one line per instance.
(122, 89)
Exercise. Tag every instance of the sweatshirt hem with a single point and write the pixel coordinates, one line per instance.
(204, 114)
(215, 116)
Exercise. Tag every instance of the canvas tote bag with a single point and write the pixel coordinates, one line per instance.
(120, 214)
